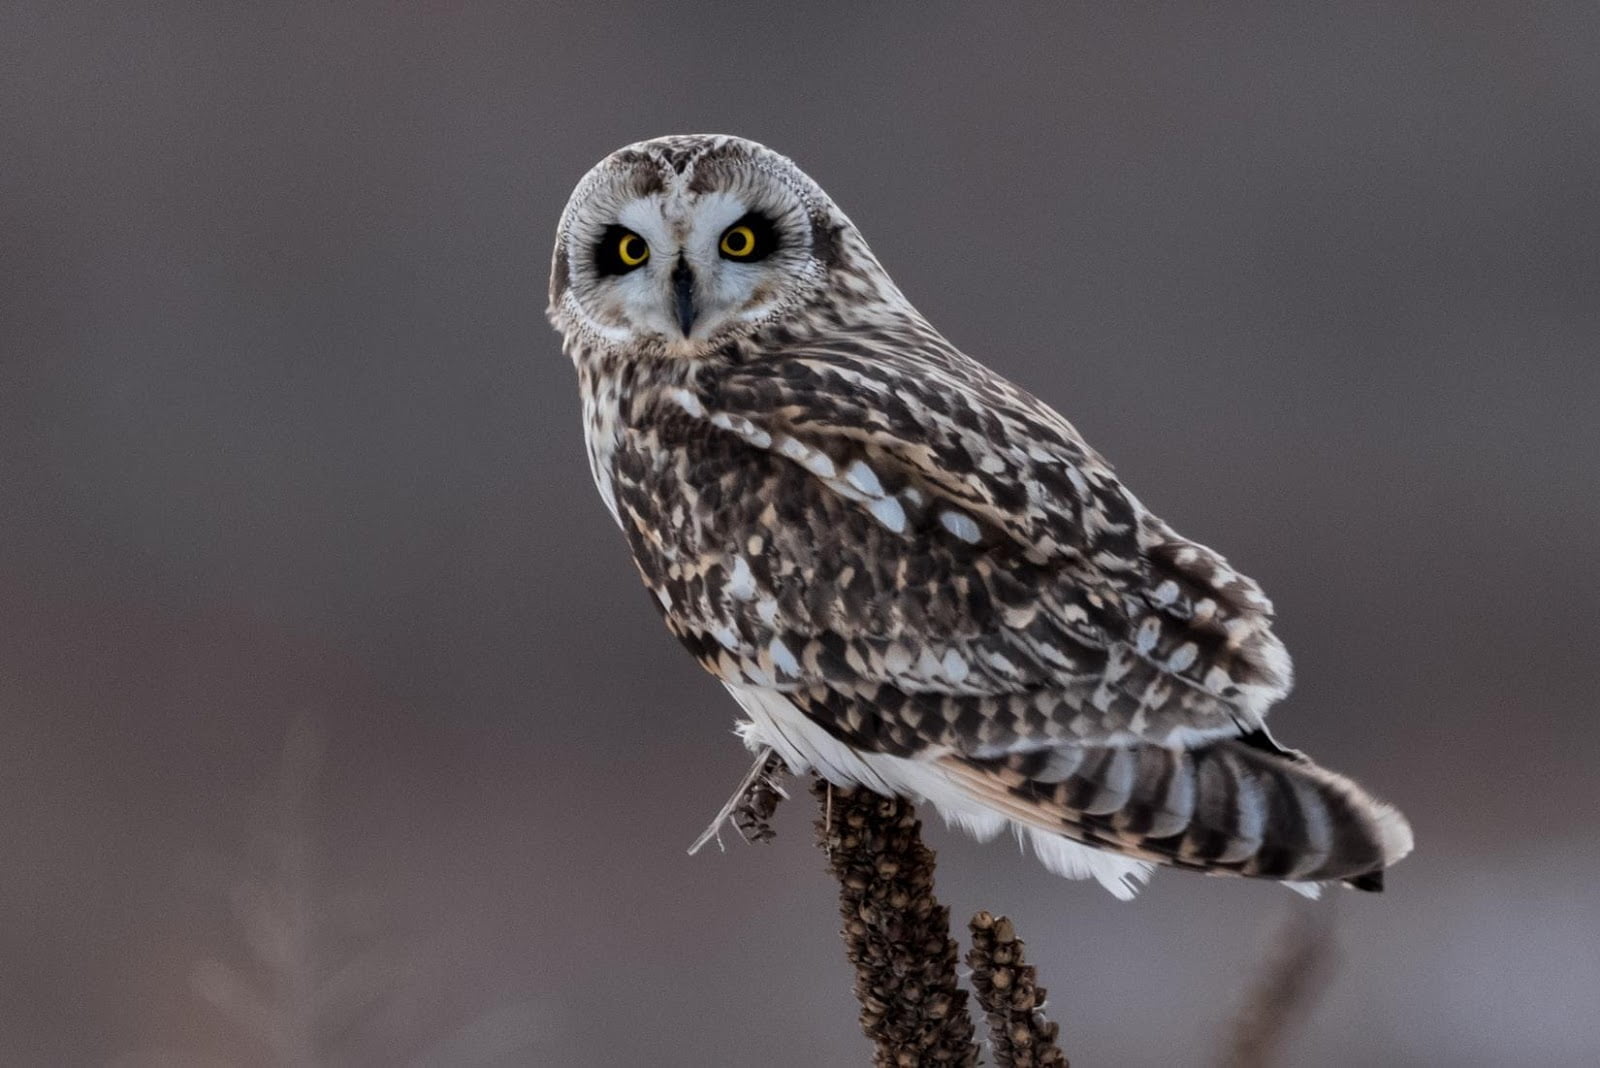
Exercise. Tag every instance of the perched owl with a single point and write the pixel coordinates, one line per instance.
(910, 573)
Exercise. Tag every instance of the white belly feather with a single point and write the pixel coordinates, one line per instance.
(805, 746)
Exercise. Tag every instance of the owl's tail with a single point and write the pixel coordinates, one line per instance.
(1236, 807)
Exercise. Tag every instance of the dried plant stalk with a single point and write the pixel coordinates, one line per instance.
(1012, 999)
(1293, 974)
(752, 814)
(897, 936)
(895, 932)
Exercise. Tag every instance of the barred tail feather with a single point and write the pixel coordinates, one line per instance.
(1227, 808)
(1112, 814)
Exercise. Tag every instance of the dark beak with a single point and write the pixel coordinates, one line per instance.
(683, 290)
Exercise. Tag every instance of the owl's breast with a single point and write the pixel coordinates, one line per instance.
(602, 429)
(623, 399)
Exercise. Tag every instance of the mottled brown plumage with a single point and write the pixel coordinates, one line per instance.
(910, 572)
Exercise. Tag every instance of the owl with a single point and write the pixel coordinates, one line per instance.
(911, 574)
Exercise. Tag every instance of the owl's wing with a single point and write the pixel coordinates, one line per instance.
(930, 557)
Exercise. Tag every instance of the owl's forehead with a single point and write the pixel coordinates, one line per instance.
(683, 180)
(678, 214)
(694, 162)
(676, 168)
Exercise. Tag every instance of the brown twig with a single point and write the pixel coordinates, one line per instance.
(751, 805)
(895, 932)
(1007, 989)
(752, 815)
(1292, 975)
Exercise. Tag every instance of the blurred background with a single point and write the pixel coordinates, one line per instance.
(336, 726)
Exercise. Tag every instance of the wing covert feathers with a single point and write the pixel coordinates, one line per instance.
(788, 552)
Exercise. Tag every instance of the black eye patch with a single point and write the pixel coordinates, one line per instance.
(619, 251)
(750, 238)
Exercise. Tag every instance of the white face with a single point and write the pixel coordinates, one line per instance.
(680, 265)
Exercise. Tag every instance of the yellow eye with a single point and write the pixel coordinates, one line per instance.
(632, 250)
(738, 242)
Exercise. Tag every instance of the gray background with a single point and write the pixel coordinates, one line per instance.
(285, 439)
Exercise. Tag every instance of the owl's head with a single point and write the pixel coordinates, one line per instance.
(679, 243)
